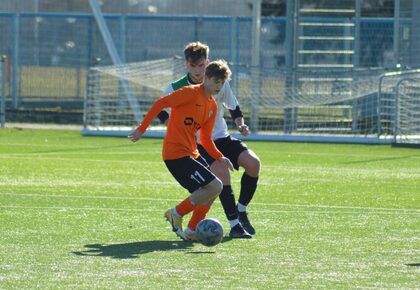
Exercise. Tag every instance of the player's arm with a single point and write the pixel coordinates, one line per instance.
(135, 135)
(157, 107)
(207, 142)
(172, 100)
(238, 118)
(163, 115)
(231, 102)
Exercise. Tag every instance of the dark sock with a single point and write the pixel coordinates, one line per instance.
(248, 188)
(228, 202)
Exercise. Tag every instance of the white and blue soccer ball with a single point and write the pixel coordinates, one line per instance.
(209, 232)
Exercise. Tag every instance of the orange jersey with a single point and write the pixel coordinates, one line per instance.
(191, 110)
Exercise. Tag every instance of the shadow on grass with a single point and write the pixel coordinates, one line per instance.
(413, 265)
(224, 240)
(132, 250)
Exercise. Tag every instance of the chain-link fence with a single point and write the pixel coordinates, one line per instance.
(50, 45)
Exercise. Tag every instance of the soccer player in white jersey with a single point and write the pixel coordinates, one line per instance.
(196, 59)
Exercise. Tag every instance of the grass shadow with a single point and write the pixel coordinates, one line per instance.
(132, 250)
(224, 240)
(413, 265)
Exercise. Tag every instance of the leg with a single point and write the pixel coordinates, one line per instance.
(232, 149)
(207, 193)
(251, 163)
(203, 185)
(241, 156)
(199, 214)
(221, 171)
(227, 197)
(202, 203)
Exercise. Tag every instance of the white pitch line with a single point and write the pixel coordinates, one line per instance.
(350, 155)
(159, 210)
(338, 212)
(42, 154)
(401, 210)
(32, 144)
(89, 197)
(81, 159)
(61, 147)
(316, 169)
(78, 208)
(396, 210)
(31, 154)
(42, 182)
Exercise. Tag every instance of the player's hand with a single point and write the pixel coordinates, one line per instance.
(135, 135)
(227, 162)
(243, 129)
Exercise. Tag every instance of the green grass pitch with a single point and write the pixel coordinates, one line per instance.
(87, 212)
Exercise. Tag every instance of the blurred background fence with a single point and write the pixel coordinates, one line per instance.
(50, 45)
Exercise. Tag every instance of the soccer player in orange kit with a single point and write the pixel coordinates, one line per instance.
(193, 108)
(196, 58)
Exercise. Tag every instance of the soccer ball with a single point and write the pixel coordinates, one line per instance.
(209, 232)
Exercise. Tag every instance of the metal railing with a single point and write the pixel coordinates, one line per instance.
(3, 59)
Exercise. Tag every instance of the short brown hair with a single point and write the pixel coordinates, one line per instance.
(218, 69)
(196, 51)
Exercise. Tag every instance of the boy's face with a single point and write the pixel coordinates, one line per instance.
(213, 85)
(196, 70)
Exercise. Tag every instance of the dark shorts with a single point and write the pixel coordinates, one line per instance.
(190, 173)
(230, 148)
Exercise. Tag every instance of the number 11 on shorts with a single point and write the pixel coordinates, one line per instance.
(197, 177)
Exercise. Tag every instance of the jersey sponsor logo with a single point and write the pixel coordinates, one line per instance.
(189, 121)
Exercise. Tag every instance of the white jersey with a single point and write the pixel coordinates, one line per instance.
(225, 99)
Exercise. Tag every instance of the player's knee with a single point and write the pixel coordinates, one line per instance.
(256, 165)
(215, 187)
(252, 165)
(221, 171)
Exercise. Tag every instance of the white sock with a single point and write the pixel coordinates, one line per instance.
(189, 231)
(233, 222)
(176, 213)
(241, 207)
